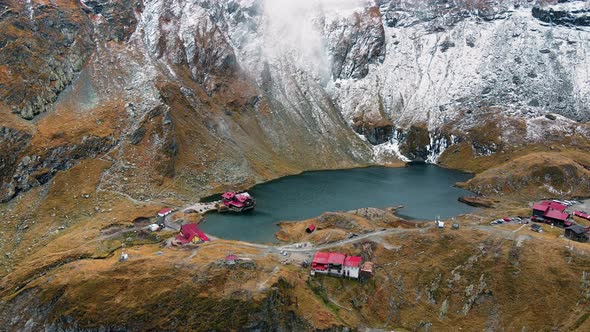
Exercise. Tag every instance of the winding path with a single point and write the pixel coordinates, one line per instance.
(312, 248)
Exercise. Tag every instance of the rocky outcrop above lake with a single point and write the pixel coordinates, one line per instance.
(42, 47)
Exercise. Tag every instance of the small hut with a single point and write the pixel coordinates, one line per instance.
(164, 212)
(367, 270)
(577, 233)
(310, 229)
(231, 260)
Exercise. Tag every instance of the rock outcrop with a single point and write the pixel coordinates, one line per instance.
(42, 47)
(568, 13)
(12, 144)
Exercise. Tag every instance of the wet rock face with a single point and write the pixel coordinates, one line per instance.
(415, 142)
(567, 13)
(42, 46)
(37, 169)
(374, 125)
(355, 43)
(375, 134)
(442, 14)
(117, 18)
(12, 143)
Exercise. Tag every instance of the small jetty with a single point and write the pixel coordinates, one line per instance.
(229, 202)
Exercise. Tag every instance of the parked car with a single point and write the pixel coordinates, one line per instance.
(506, 219)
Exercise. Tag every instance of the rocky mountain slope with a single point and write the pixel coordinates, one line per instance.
(200, 88)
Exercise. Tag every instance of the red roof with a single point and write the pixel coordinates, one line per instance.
(228, 195)
(231, 257)
(188, 233)
(336, 258)
(311, 227)
(544, 205)
(164, 212)
(582, 214)
(540, 206)
(557, 206)
(320, 257)
(353, 261)
(556, 214)
(234, 203)
(202, 235)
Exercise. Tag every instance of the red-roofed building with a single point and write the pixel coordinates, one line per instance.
(352, 266)
(582, 214)
(191, 233)
(231, 259)
(336, 263)
(551, 212)
(237, 202)
(319, 262)
(164, 212)
(310, 229)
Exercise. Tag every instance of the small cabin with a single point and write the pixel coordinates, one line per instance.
(577, 233)
(164, 212)
(310, 229)
(367, 270)
(231, 260)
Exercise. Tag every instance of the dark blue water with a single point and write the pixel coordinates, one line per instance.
(425, 191)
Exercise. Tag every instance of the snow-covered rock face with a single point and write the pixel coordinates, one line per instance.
(378, 68)
(410, 62)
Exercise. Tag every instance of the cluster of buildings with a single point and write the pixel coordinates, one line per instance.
(555, 213)
(341, 265)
